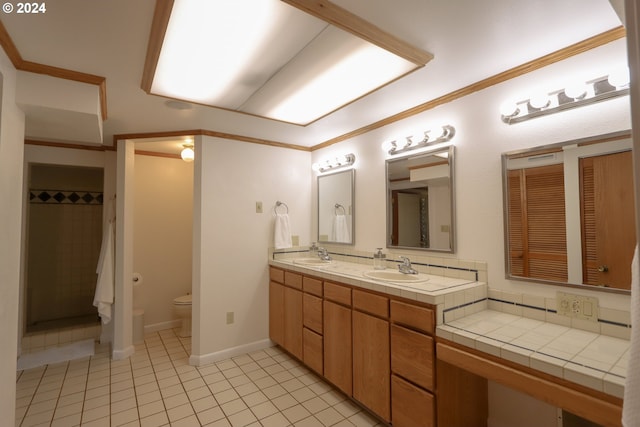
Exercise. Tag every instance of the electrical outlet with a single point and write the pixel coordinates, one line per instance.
(258, 207)
(229, 317)
(295, 240)
(577, 306)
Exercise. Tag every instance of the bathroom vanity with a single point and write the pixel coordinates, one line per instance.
(387, 346)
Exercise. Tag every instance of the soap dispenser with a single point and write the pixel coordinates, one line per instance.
(313, 250)
(379, 260)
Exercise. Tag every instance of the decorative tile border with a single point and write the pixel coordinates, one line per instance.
(61, 197)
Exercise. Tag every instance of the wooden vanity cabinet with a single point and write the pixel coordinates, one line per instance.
(371, 356)
(312, 339)
(336, 309)
(285, 310)
(412, 366)
(377, 349)
(276, 312)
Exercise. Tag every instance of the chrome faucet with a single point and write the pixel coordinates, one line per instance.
(323, 254)
(405, 266)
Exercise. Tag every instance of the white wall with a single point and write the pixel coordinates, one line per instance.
(231, 239)
(480, 139)
(163, 217)
(11, 155)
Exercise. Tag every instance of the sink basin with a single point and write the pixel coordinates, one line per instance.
(395, 276)
(311, 261)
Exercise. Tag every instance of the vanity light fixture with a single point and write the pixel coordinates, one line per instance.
(574, 95)
(187, 153)
(420, 140)
(332, 164)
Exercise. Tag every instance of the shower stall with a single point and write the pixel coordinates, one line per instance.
(64, 233)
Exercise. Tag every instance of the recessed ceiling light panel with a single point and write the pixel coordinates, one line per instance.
(266, 58)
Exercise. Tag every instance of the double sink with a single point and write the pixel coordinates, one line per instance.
(394, 277)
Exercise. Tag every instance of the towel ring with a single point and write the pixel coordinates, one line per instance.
(339, 206)
(278, 204)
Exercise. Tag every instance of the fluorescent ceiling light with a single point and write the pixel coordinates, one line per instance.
(266, 58)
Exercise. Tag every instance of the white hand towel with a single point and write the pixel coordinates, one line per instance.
(631, 405)
(103, 298)
(340, 232)
(282, 232)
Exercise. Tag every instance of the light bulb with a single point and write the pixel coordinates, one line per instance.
(388, 146)
(509, 109)
(540, 100)
(187, 153)
(619, 78)
(576, 90)
(437, 133)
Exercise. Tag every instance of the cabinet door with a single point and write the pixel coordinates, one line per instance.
(312, 350)
(337, 345)
(412, 356)
(312, 312)
(371, 373)
(411, 406)
(276, 313)
(293, 321)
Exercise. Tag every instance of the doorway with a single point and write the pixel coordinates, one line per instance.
(64, 233)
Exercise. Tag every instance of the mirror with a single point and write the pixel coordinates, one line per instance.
(420, 201)
(569, 213)
(336, 194)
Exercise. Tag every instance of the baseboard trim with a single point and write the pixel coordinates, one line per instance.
(161, 326)
(205, 359)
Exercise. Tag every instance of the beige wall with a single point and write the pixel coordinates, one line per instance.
(163, 218)
(231, 239)
(11, 155)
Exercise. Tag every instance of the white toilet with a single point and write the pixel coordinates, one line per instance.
(182, 308)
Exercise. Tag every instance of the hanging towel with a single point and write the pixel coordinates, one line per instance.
(340, 232)
(282, 232)
(103, 298)
(631, 405)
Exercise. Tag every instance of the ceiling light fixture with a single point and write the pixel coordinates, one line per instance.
(267, 58)
(187, 153)
(339, 162)
(418, 140)
(576, 94)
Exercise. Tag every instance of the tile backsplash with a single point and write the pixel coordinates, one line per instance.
(424, 263)
(611, 322)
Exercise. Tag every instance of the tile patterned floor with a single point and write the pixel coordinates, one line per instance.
(157, 387)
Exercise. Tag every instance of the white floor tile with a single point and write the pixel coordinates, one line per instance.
(157, 387)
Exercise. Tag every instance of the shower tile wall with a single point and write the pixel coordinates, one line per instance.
(64, 234)
(64, 244)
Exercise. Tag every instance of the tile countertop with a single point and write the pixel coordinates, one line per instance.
(586, 358)
(432, 292)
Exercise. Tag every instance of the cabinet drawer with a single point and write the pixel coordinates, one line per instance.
(293, 279)
(412, 356)
(312, 286)
(276, 274)
(410, 405)
(337, 293)
(312, 350)
(312, 312)
(413, 316)
(371, 303)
